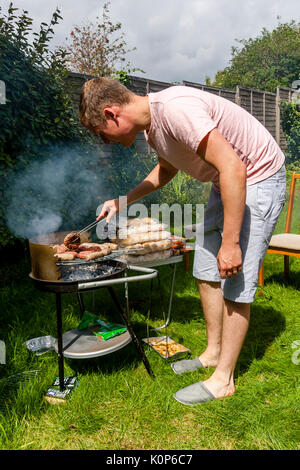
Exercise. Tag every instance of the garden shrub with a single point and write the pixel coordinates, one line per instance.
(290, 119)
(37, 113)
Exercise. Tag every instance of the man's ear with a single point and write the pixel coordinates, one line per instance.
(108, 113)
(111, 112)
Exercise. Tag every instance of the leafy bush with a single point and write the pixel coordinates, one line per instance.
(127, 168)
(290, 114)
(266, 61)
(38, 112)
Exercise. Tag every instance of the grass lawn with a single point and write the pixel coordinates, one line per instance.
(118, 406)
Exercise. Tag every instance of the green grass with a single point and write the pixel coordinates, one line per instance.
(118, 406)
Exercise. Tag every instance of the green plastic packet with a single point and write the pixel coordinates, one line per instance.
(87, 319)
(109, 333)
(105, 330)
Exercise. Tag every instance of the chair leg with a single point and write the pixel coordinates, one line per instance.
(261, 275)
(286, 266)
(186, 261)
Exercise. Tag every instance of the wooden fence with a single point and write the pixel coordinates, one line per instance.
(261, 104)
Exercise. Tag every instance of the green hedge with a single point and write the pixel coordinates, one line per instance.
(290, 119)
(38, 113)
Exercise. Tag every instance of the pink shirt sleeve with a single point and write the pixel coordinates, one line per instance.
(186, 121)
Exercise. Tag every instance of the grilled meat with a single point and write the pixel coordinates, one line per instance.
(89, 247)
(105, 250)
(61, 249)
(67, 256)
(72, 241)
(90, 254)
(110, 246)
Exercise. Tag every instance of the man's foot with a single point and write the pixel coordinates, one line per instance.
(219, 387)
(203, 392)
(209, 360)
(194, 394)
(187, 365)
(190, 365)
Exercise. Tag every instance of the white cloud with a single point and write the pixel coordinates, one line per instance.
(175, 40)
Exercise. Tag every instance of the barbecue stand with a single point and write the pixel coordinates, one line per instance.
(172, 262)
(61, 286)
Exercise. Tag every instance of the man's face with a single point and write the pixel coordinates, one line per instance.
(118, 129)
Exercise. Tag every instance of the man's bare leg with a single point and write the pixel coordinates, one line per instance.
(235, 325)
(226, 334)
(213, 304)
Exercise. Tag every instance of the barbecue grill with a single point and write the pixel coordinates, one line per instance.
(80, 276)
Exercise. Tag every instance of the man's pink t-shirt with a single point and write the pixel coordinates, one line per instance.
(182, 116)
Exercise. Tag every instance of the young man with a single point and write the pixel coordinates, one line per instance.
(215, 140)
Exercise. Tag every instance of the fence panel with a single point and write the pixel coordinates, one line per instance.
(258, 105)
(223, 92)
(137, 85)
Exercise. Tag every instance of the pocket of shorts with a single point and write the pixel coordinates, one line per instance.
(270, 196)
(271, 222)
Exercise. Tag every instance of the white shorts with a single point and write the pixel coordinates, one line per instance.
(264, 202)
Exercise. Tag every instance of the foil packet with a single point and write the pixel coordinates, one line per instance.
(40, 345)
(166, 347)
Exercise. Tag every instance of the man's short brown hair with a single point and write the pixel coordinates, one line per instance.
(96, 95)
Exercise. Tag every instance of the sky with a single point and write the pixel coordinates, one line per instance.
(175, 40)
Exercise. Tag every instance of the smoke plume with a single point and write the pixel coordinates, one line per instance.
(61, 192)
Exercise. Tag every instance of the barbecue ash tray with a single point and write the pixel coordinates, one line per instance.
(166, 347)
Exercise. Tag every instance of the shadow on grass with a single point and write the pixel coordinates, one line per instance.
(266, 324)
(123, 359)
(292, 281)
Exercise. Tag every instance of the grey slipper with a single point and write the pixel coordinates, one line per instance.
(187, 365)
(194, 394)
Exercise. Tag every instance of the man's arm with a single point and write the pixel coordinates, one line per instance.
(157, 178)
(217, 151)
(161, 174)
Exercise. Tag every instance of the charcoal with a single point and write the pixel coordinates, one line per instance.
(86, 272)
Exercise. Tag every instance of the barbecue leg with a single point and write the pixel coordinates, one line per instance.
(60, 342)
(125, 318)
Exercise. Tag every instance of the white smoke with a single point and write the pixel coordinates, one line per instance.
(59, 193)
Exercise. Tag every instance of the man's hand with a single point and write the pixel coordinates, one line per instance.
(109, 209)
(229, 260)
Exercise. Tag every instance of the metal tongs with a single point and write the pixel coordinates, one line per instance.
(93, 224)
